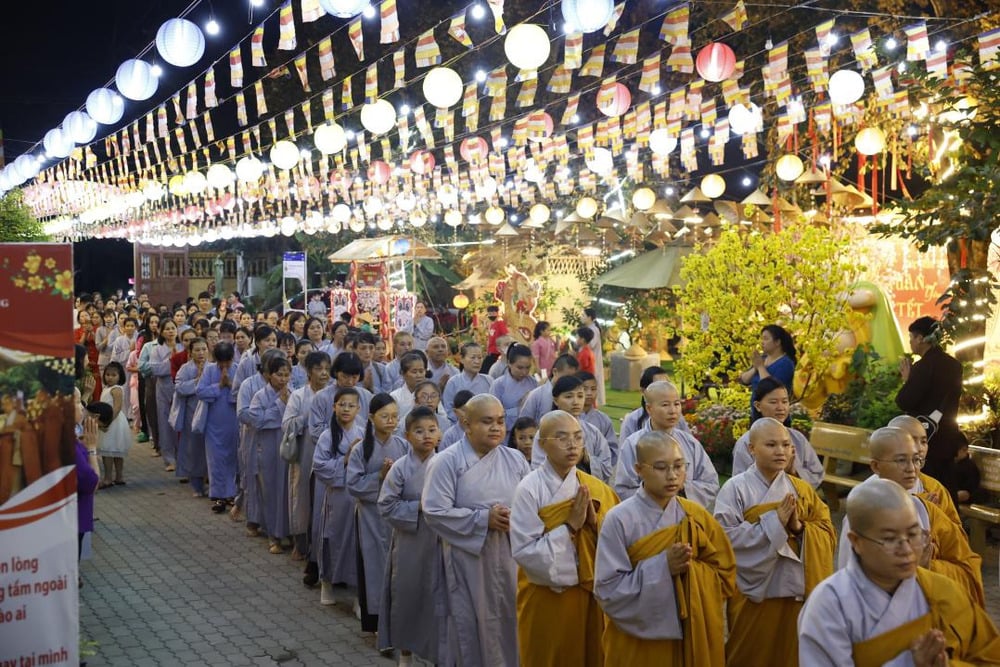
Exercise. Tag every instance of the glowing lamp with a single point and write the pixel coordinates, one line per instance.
(715, 62)
(422, 162)
(846, 87)
(135, 80)
(586, 207)
(341, 213)
(220, 176)
(713, 186)
(460, 301)
(176, 185)
(601, 162)
(195, 182)
(105, 106)
(80, 127)
(378, 117)
(527, 46)
(643, 199)
(284, 154)
(494, 215)
(661, 142)
(57, 143)
(330, 138)
(617, 102)
(288, 226)
(344, 9)
(789, 167)
(587, 15)
(539, 214)
(443, 87)
(180, 42)
(870, 141)
(745, 119)
(249, 169)
(452, 218)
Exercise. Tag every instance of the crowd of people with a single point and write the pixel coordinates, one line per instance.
(494, 515)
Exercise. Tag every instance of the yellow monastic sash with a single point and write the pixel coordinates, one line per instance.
(565, 627)
(944, 501)
(955, 559)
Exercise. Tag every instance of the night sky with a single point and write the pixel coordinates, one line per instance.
(55, 54)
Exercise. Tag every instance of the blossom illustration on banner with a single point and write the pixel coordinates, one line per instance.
(39, 274)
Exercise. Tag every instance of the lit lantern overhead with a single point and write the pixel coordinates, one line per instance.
(220, 176)
(422, 162)
(284, 154)
(870, 141)
(494, 215)
(176, 185)
(57, 144)
(80, 127)
(745, 119)
(180, 42)
(378, 117)
(341, 213)
(846, 86)
(527, 46)
(330, 138)
(539, 214)
(713, 186)
(379, 172)
(789, 167)
(587, 15)
(195, 182)
(288, 226)
(715, 62)
(586, 207)
(617, 102)
(105, 106)
(453, 218)
(443, 87)
(249, 169)
(135, 80)
(661, 142)
(473, 149)
(601, 162)
(643, 199)
(344, 9)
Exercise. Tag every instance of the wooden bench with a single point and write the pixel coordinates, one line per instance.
(836, 443)
(982, 516)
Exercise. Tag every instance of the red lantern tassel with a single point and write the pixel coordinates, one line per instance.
(861, 172)
(874, 185)
(963, 254)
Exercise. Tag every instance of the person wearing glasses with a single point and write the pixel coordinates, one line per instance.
(884, 608)
(784, 542)
(664, 568)
(557, 513)
(926, 486)
(894, 457)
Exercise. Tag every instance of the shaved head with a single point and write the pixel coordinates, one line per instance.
(481, 403)
(555, 421)
(906, 422)
(765, 427)
(652, 442)
(659, 388)
(886, 441)
(867, 500)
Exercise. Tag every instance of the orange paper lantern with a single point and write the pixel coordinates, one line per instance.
(617, 102)
(716, 62)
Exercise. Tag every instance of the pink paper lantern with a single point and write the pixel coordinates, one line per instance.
(473, 149)
(540, 126)
(716, 62)
(618, 102)
(379, 172)
(421, 162)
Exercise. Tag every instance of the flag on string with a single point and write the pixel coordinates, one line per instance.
(311, 10)
(307, 112)
(403, 131)
(181, 141)
(675, 25)
(649, 82)
(161, 121)
(447, 118)
(749, 144)
(736, 17)
(864, 51)
(693, 101)
(290, 121)
(258, 89)
(561, 80)
(917, 44)
(823, 31)
(286, 32)
(427, 52)
(346, 94)
(680, 59)
(425, 129)
(211, 101)
(327, 67)
(470, 107)
(677, 102)
(642, 122)
(777, 58)
(399, 68)
(195, 137)
(328, 111)
(606, 93)
(573, 51)
(816, 70)
(883, 83)
(526, 96)
(257, 47)
(937, 63)
(150, 136)
(236, 68)
(572, 104)
(357, 38)
(525, 75)
(708, 111)
(498, 107)
(989, 48)
(496, 81)
(595, 63)
(300, 68)
(627, 48)
(823, 117)
(616, 15)
(371, 83)
(457, 30)
(175, 99)
(900, 105)
(390, 22)
(191, 108)
(206, 121)
(496, 7)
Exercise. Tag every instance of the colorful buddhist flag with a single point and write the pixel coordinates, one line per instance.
(470, 107)
(882, 78)
(496, 81)
(917, 44)
(390, 22)
(736, 17)
(937, 63)
(675, 25)
(427, 52)
(561, 80)
(206, 121)
(680, 59)
(989, 48)
(399, 68)
(616, 15)
(595, 63)
(572, 104)
(191, 107)
(498, 107)
(816, 69)
(241, 109)
(864, 51)
(371, 83)
(357, 38)
(327, 68)
(573, 51)
(496, 7)
(300, 68)
(236, 68)
(346, 94)
(458, 32)
(823, 31)
(627, 48)
(257, 47)
(161, 121)
(258, 89)
(649, 82)
(311, 10)
(328, 110)
(286, 23)
(777, 58)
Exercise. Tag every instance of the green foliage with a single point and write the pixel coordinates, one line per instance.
(17, 223)
(796, 278)
(870, 398)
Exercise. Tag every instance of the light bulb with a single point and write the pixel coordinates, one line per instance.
(478, 12)
(157, 71)
(747, 181)
(369, 12)
(212, 27)
(480, 76)
(891, 44)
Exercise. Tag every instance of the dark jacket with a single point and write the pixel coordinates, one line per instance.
(935, 383)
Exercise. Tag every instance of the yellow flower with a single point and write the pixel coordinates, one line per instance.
(64, 282)
(18, 282)
(32, 263)
(35, 283)
(50, 263)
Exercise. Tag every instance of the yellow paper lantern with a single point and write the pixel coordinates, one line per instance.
(539, 214)
(527, 46)
(713, 186)
(443, 87)
(176, 185)
(870, 141)
(643, 199)
(494, 215)
(586, 207)
(460, 301)
(789, 167)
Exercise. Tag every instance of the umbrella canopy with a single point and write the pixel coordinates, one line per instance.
(387, 248)
(651, 270)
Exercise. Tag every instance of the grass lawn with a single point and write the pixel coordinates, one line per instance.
(620, 403)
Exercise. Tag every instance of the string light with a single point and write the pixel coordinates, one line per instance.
(157, 71)
(212, 27)
(369, 12)
(478, 12)
(891, 44)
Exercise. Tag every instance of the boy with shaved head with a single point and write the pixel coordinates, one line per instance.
(466, 500)
(894, 457)
(664, 568)
(882, 609)
(663, 402)
(554, 521)
(783, 539)
(926, 486)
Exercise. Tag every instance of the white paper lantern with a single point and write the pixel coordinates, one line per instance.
(587, 15)
(384, 224)
(643, 199)
(341, 214)
(180, 42)
(586, 207)
(220, 176)
(249, 169)
(105, 106)
(378, 117)
(453, 218)
(406, 201)
(356, 225)
(153, 190)
(540, 214)
(846, 86)
(745, 119)
(80, 127)
(443, 87)
(6, 182)
(330, 138)
(374, 205)
(602, 162)
(57, 143)
(789, 167)
(418, 219)
(195, 182)
(288, 226)
(447, 194)
(344, 9)
(26, 166)
(713, 186)
(486, 188)
(494, 215)
(661, 142)
(135, 80)
(285, 154)
(870, 141)
(527, 46)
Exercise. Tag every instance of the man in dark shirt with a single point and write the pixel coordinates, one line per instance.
(931, 390)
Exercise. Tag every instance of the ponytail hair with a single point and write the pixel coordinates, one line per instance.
(336, 431)
(378, 402)
(516, 351)
(647, 378)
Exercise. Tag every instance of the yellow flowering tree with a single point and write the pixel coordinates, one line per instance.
(797, 278)
(17, 223)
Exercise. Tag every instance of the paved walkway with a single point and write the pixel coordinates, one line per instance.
(171, 583)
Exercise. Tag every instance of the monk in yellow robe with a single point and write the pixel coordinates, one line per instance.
(784, 543)
(664, 569)
(882, 609)
(555, 518)
(894, 457)
(926, 487)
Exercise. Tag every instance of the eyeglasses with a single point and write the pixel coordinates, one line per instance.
(916, 462)
(663, 468)
(567, 440)
(916, 542)
(426, 396)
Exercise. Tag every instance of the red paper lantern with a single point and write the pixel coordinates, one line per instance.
(379, 172)
(716, 62)
(421, 162)
(617, 102)
(473, 149)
